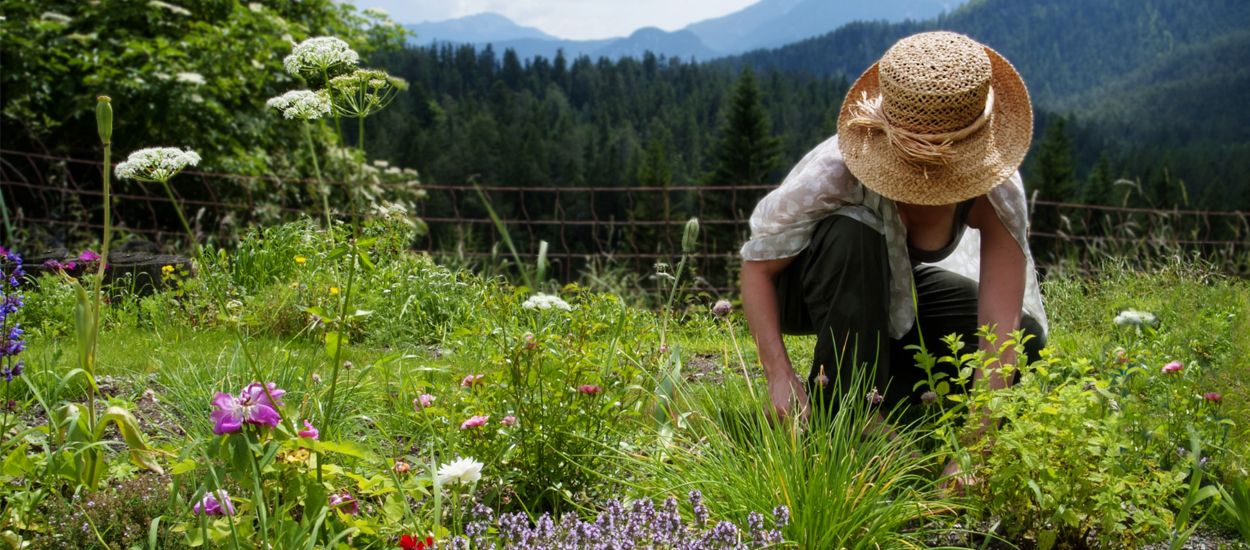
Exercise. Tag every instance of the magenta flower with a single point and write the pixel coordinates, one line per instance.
(475, 421)
(1213, 397)
(1173, 367)
(309, 432)
(211, 506)
(589, 389)
(344, 502)
(53, 264)
(423, 401)
(88, 256)
(471, 380)
(252, 406)
(508, 420)
(721, 308)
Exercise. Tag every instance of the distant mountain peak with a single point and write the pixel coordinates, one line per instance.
(476, 28)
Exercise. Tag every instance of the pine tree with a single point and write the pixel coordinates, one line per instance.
(1055, 181)
(747, 151)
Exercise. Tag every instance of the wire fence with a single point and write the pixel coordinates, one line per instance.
(49, 201)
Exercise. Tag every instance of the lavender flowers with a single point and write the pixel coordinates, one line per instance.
(11, 342)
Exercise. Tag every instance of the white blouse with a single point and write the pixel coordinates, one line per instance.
(821, 186)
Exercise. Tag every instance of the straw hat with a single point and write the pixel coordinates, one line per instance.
(938, 120)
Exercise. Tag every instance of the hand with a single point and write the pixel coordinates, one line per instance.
(786, 394)
(954, 480)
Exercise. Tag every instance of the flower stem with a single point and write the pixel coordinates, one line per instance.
(321, 186)
(259, 503)
(177, 208)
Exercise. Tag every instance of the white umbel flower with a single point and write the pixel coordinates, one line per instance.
(301, 104)
(319, 55)
(156, 164)
(1134, 318)
(190, 78)
(179, 10)
(463, 471)
(546, 301)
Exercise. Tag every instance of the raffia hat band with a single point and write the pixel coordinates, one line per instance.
(916, 149)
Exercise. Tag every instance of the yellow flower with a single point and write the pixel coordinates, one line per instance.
(300, 260)
(167, 270)
(334, 291)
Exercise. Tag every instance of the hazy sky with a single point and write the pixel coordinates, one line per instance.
(576, 19)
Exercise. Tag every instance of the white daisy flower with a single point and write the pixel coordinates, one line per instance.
(319, 55)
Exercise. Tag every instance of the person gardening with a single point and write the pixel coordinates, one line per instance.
(919, 189)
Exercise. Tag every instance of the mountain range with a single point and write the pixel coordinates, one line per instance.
(766, 24)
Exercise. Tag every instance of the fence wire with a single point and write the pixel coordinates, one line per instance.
(51, 201)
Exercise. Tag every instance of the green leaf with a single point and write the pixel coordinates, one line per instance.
(183, 467)
(128, 426)
(334, 340)
(343, 448)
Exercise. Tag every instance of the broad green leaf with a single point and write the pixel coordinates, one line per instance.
(128, 426)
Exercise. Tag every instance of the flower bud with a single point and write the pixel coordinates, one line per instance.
(104, 118)
(928, 398)
(721, 308)
(690, 238)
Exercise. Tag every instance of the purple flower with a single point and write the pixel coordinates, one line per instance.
(252, 406)
(210, 505)
(59, 266)
(508, 420)
(423, 401)
(89, 256)
(930, 397)
(721, 308)
(1173, 367)
(471, 380)
(309, 432)
(344, 502)
(874, 397)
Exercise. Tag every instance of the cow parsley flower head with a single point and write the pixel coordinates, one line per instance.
(364, 92)
(1134, 318)
(301, 104)
(321, 55)
(156, 164)
(546, 301)
(463, 471)
(192, 78)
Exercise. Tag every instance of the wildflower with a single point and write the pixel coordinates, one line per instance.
(463, 471)
(11, 342)
(475, 421)
(928, 398)
(511, 420)
(402, 467)
(156, 164)
(874, 397)
(177, 10)
(334, 291)
(696, 505)
(471, 380)
(1134, 318)
(89, 256)
(364, 92)
(423, 401)
(300, 260)
(821, 379)
(690, 236)
(721, 308)
(320, 56)
(316, 378)
(216, 503)
(1213, 397)
(546, 301)
(252, 406)
(1173, 367)
(167, 270)
(192, 78)
(309, 432)
(345, 503)
(409, 542)
(529, 341)
(301, 104)
(56, 17)
(781, 515)
(589, 389)
(53, 264)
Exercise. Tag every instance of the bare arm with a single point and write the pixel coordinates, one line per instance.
(759, 302)
(1001, 294)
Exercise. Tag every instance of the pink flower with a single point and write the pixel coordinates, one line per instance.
(252, 406)
(1213, 397)
(423, 401)
(88, 256)
(210, 505)
(53, 264)
(1173, 367)
(589, 389)
(471, 380)
(508, 420)
(344, 502)
(474, 422)
(309, 431)
(874, 397)
(721, 308)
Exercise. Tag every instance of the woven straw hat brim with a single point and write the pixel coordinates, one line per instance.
(980, 161)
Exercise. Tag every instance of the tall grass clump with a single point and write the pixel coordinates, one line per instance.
(847, 483)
